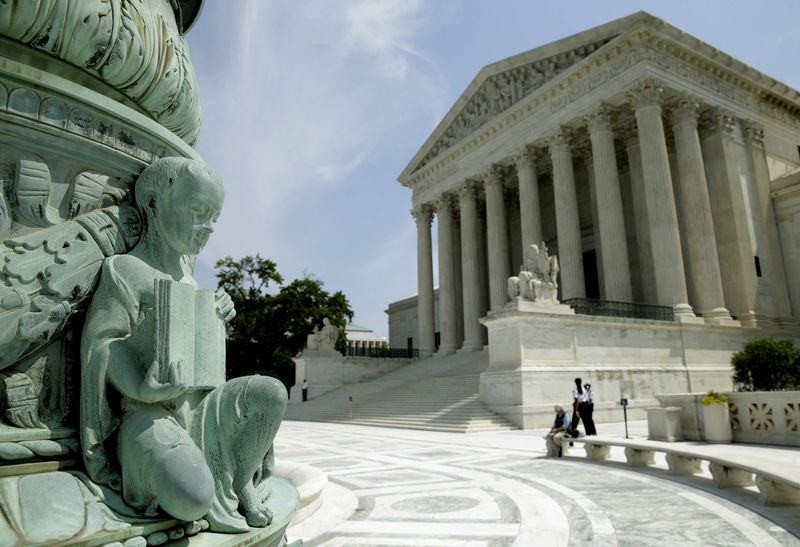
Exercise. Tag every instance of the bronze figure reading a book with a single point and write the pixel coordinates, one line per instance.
(158, 420)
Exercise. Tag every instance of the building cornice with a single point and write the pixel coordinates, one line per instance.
(648, 40)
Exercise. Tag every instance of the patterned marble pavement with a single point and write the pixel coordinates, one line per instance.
(420, 488)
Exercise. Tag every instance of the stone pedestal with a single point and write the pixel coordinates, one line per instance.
(664, 424)
(535, 353)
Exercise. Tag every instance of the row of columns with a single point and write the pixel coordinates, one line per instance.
(704, 228)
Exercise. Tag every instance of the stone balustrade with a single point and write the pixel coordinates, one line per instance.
(759, 417)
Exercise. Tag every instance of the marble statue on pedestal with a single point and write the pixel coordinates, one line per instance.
(323, 339)
(538, 277)
(186, 448)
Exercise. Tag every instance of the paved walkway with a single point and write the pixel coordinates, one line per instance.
(422, 488)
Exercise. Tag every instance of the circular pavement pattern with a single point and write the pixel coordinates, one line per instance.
(420, 488)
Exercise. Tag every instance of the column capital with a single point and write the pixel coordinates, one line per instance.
(467, 188)
(493, 175)
(646, 93)
(444, 203)
(585, 154)
(560, 138)
(717, 120)
(629, 135)
(600, 118)
(524, 156)
(422, 213)
(684, 108)
(753, 133)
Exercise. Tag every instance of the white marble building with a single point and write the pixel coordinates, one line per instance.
(664, 175)
(645, 158)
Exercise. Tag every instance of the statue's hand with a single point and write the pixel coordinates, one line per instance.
(225, 308)
(154, 391)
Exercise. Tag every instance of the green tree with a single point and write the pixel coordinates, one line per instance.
(273, 320)
(767, 365)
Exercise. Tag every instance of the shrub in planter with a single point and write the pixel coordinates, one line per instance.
(767, 365)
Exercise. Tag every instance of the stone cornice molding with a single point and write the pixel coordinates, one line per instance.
(499, 92)
(679, 53)
(422, 213)
(647, 93)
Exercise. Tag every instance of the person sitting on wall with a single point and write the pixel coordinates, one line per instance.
(555, 436)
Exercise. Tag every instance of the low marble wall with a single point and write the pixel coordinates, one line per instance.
(534, 357)
(326, 371)
(759, 417)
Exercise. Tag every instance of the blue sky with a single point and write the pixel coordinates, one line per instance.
(311, 108)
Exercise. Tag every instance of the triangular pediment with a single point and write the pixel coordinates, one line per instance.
(501, 85)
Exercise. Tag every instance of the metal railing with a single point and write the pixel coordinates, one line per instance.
(383, 353)
(609, 308)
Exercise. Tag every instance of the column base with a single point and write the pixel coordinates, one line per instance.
(471, 345)
(444, 351)
(684, 314)
(719, 316)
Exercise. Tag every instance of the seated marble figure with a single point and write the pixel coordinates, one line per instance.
(169, 445)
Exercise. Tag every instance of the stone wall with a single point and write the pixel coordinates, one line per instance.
(326, 371)
(534, 357)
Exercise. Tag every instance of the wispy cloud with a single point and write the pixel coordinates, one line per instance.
(299, 99)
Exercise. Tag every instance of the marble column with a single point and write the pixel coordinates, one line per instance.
(470, 268)
(730, 215)
(641, 225)
(448, 327)
(616, 275)
(457, 267)
(423, 215)
(568, 230)
(772, 265)
(483, 263)
(497, 238)
(697, 225)
(661, 213)
(584, 153)
(530, 215)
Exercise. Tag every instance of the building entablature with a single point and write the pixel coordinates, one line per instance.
(680, 63)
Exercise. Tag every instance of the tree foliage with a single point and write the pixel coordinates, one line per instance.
(273, 319)
(767, 365)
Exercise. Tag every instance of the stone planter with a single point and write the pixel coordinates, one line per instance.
(717, 423)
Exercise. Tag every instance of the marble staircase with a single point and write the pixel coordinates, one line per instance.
(435, 394)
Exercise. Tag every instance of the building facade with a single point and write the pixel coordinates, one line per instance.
(650, 162)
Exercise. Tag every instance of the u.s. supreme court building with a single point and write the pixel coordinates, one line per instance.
(664, 175)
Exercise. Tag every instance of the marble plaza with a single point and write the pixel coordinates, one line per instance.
(413, 488)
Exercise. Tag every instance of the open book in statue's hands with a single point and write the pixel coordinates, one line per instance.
(190, 330)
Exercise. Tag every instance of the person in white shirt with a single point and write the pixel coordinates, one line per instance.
(305, 390)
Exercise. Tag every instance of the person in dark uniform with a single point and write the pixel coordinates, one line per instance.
(587, 408)
(305, 390)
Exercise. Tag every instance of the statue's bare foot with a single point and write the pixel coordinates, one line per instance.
(254, 511)
(259, 519)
